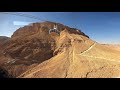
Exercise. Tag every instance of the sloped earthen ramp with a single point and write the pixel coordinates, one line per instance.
(80, 57)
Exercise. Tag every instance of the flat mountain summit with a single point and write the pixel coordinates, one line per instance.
(33, 52)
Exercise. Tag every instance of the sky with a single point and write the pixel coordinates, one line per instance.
(103, 27)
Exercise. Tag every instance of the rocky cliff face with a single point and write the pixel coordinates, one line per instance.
(32, 52)
(33, 44)
(78, 57)
(43, 28)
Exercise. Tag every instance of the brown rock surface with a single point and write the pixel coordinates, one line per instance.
(32, 52)
(3, 39)
(30, 45)
(75, 66)
(80, 57)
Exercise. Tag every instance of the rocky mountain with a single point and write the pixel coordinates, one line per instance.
(31, 45)
(2, 39)
(32, 52)
(81, 58)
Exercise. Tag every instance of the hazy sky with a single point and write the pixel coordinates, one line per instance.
(103, 27)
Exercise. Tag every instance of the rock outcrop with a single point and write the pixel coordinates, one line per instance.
(30, 45)
(32, 52)
(3, 39)
(78, 57)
